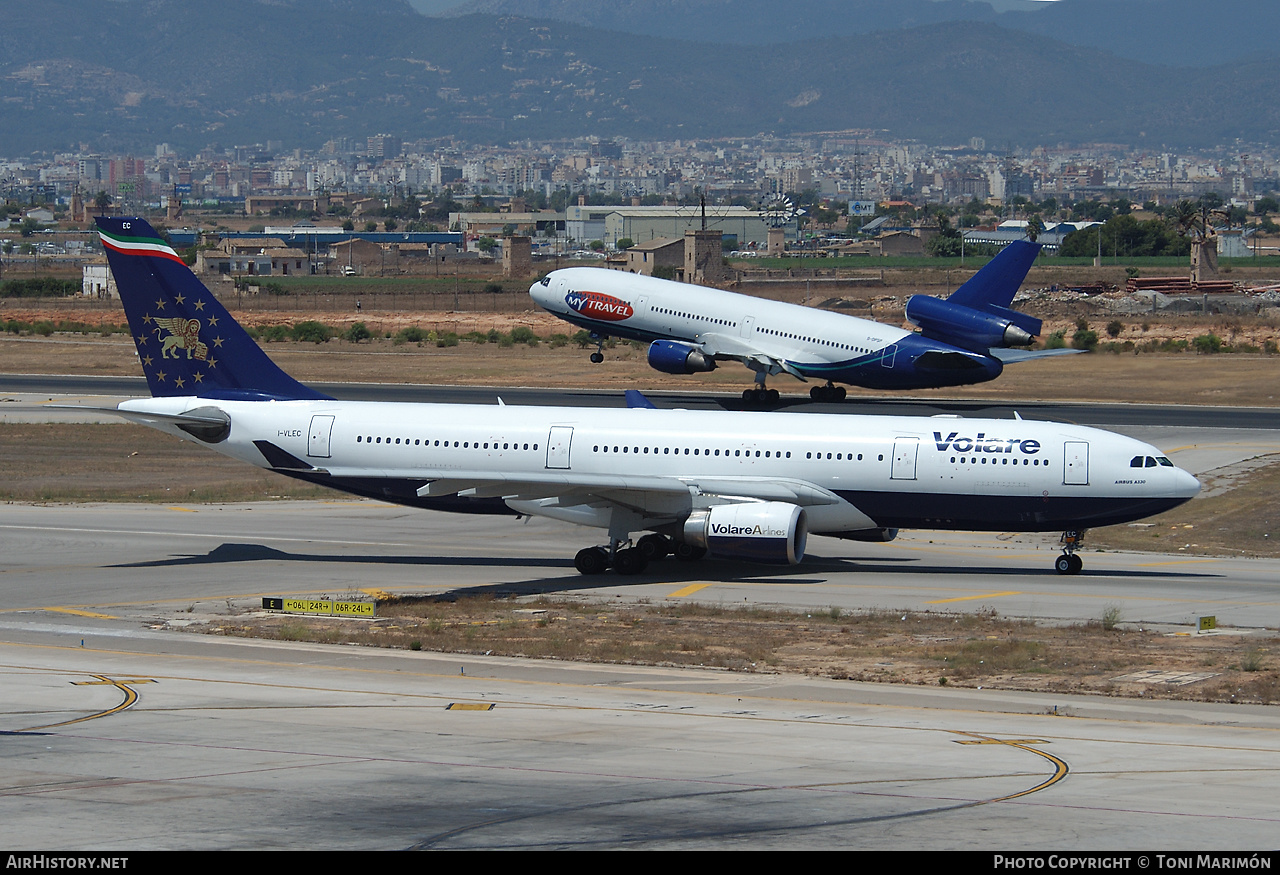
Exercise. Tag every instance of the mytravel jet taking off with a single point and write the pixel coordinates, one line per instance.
(966, 338)
(738, 485)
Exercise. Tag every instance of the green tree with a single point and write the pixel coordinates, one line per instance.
(357, 332)
(947, 243)
(1207, 344)
(626, 243)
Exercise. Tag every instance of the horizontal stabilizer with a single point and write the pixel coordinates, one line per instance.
(209, 424)
(1012, 356)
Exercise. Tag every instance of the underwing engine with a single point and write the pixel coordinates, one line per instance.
(772, 532)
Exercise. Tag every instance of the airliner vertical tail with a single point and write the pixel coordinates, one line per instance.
(187, 342)
(1000, 279)
(978, 315)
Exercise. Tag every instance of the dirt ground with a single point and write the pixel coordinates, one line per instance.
(1105, 657)
(126, 462)
(1164, 378)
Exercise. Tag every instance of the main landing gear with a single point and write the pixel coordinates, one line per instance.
(760, 394)
(598, 356)
(828, 392)
(1069, 562)
(634, 560)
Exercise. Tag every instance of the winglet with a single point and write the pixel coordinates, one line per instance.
(635, 398)
(187, 342)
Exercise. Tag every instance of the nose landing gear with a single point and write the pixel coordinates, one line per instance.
(1069, 562)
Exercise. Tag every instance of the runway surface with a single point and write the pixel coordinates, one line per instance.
(1090, 413)
(240, 745)
(121, 732)
(132, 734)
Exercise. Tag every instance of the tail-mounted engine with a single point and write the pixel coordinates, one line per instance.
(969, 327)
(773, 532)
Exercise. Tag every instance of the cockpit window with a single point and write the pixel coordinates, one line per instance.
(1151, 463)
(1135, 462)
(546, 281)
(1165, 463)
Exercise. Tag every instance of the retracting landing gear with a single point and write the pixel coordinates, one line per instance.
(1069, 562)
(829, 392)
(598, 356)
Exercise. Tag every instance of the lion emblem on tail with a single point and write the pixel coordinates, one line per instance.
(183, 334)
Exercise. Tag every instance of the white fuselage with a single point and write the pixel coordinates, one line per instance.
(656, 308)
(855, 472)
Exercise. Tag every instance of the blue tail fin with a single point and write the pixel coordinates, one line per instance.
(187, 342)
(1000, 278)
(991, 289)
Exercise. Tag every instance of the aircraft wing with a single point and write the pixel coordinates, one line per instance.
(1012, 356)
(574, 488)
(730, 347)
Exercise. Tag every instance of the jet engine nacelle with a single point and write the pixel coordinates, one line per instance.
(674, 357)
(773, 532)
(967, 327)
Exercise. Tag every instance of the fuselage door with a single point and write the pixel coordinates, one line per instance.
(887, 354)
(318, 436)
(558, 446)
(905, 450)
(748, 325)
(1075, 470)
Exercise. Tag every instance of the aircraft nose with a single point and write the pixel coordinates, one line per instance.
(1186, 485)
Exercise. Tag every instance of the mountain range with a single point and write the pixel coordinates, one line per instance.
(117, 75)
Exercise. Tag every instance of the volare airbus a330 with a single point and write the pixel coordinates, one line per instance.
(966, 338)
(738, 485)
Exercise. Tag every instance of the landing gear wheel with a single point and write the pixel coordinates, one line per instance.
(630, 561)
(655, 546)
(827, 393)
(771, 396)
(597, 358)
(688, 552)
(1068, 564)
(591, 560)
